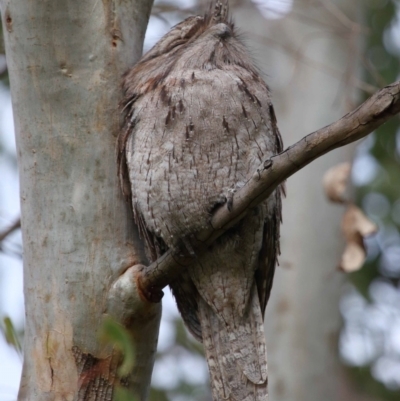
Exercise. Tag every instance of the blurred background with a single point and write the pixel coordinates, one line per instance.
(330, 335)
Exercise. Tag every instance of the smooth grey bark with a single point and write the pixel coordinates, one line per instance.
(312, 81)
(65, 61)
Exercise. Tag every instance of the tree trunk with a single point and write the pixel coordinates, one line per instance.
(311, 70)
(65, 61)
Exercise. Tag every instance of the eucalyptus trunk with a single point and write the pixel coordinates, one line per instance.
(65, 61)
(312, 65)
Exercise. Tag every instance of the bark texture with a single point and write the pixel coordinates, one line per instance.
(66, 59)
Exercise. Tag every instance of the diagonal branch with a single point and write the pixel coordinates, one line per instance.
(9, 230)
(375, 111)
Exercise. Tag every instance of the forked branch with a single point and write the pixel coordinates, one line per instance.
(375, 111)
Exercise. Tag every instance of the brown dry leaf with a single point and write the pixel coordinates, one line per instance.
(355, 227)
(353, 257)
(335, 182)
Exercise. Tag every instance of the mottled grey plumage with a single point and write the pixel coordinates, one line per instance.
(199, 121)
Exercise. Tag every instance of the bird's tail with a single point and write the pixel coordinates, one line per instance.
(236, 356)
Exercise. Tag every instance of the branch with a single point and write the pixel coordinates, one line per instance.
(379, 108)
(9, 230)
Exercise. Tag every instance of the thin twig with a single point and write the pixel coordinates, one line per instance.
(379, 108)
(9, 230)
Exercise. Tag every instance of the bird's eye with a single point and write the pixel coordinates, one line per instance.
(222, 30)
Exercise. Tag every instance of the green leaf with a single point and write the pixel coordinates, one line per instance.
(120, 338)
(122, 394)
(10, 335)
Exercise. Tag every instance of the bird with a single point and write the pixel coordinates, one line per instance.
(198, 121)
